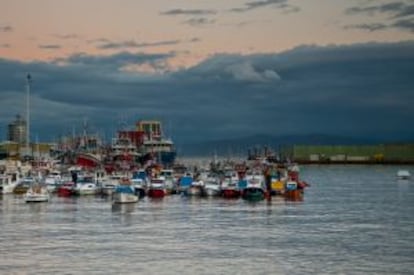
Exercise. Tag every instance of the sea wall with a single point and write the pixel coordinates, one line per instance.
(379, 153)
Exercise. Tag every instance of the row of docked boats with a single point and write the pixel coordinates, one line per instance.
(251, 184)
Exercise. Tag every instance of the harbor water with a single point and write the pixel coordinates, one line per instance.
(352, 220)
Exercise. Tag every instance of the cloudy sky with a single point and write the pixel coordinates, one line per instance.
(210, 69)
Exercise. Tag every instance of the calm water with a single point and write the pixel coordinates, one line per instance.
(353, 220)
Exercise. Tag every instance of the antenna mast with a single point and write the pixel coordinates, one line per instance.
(28, 82)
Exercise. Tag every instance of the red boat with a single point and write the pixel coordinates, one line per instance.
(66, 190)
(156, 193)
(229, 187)
(294, 195)
(230, 193)
(157, 188)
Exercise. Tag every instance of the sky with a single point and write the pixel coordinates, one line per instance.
(210, 70)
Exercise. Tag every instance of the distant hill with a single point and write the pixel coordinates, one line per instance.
(240, 146)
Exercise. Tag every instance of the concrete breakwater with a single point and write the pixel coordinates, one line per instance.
(351, 154)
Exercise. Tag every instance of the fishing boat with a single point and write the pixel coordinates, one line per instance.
(124, 192)
(170, 183)
(195, 189)
(140, 182)
(157, 188)
(52, 181)
(292, 192)
(229, 188)
(67, 189)
(184, 183)
(254, 190)
(86, 186)
(23, 186)
(212, 186)
(8, 182)
(109, 184)
(37, 193)
(155, 147)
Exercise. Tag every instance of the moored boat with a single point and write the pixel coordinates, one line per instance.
(86, 186)
(52, 181)
(292, 192)
(36, 193)
(230, 191)
(196, 189)
(212, 187)
(254, 190)
(124, 193)
(185, 182)
(229, 186)
(109, 184)
(8, 182)
(140, 182)
(403, 174)
(67, 189)
(23, 186)
(157, 188)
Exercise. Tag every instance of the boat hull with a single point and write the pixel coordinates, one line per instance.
(156, 193)
(230, 193)
(124, 198)
(211, 192)
(19, 190)
(294, 195)
(36, 198)
(253, 194)
(65, 192)
(36, 194)
(194, 191)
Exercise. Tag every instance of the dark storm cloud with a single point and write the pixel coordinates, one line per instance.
(201, 21)
(50, 47)
(6, 28)
(355, 90)
(369, 27)
(116, 60)
(132, 44)
(395, 9)
(281, 4)
(188, 12)
(400, 16)
(404, 24)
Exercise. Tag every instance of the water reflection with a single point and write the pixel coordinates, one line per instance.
(123, 207)
(360, 210)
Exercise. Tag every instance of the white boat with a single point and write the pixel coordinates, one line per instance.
(8, 182)
(86, 186)
(109, 184)
(196, 188)
(212, 187)
(403, 174)
(124, 193)
(52, 181)
(168, 176)
(37, 193)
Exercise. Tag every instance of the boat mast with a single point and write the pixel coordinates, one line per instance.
(28, 82)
